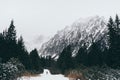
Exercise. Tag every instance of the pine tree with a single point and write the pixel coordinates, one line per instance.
(1, 46)
(95, 54)
(21, 44)
(11, 41)
(111, 40)
(22, 53)
(34, 58)
(48, 61)
(117, 41)
(11, 34)
(64, 61)
(42, 62)
(117, 21)
(9, 45)
(114, 37)
(81, 56)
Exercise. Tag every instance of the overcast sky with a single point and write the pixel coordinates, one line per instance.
(39, 19)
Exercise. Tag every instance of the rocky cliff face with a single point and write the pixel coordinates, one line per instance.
(82, 31)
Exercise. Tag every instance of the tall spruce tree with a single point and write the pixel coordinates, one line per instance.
(111, 40)
(114, 37)
(9, 48)
(34, 58)
(22, 53)
(117, 21)
(64, 61)
(95, 54)
(21, 43)
(11, 34)
(1, 46)
(81, 56)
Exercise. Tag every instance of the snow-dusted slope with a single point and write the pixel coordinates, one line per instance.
(80, 32)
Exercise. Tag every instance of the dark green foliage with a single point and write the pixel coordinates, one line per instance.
(81, 57)
(42, 62)
(90, 58)
(18, 64)
(34, 59)
(11, 34)
(64, 61)
(95, 55)
(11, 47)
(48, 61)
(114, 41)
(8, 47)
(95, 73)
(22, 53)
(11, 70)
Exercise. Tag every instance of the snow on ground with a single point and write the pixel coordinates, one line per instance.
(45, 76)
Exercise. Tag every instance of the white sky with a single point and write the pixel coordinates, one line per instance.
(34, 18)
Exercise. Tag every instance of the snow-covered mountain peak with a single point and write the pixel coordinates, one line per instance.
(80, 32)
(83, 22)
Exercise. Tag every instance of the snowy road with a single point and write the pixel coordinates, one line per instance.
(45, 76)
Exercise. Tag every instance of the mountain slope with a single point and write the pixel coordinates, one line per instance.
(82, 31)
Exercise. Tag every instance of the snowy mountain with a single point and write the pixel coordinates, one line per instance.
(82, 31)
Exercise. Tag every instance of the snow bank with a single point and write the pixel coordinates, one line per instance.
(45, 76)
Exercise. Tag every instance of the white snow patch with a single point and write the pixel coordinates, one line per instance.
(45, 76)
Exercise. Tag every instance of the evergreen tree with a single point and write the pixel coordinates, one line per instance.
(21, 44)
(42, 62)
(48, 61)
(81, 56)
(1, 46)
(34, 58)
(111, 40)
(10, 47)
(117, 23)
(8, 43)
(22, 53)
(95, 54)
(11, 41)
(11, 34)
(114, 37)
(64, 61)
